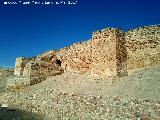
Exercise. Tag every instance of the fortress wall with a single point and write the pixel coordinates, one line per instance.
(109, 53)
(143, 47)
(104, 55)
(98, 55)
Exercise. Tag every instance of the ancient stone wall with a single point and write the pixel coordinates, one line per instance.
(38, 71)
(43, 66)
(20, 64)
(109, 53)
(76, 58)
(143, 47)
(39, 68)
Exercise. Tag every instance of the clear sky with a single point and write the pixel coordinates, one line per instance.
(29, 30)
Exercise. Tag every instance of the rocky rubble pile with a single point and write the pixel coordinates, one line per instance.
(69, 106)
(74, 97)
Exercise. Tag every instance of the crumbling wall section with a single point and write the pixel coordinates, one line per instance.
(20, 64)
(38, 69)
(42, 67)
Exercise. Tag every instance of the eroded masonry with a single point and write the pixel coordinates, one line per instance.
(109, 53)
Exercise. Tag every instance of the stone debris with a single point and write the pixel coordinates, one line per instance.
(61, 106)
(81, 98)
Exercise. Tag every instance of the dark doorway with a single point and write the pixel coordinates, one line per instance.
(58, 62)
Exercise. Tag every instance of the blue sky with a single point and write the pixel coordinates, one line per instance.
(29, 30)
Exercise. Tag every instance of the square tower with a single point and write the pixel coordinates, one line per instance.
(109, 53)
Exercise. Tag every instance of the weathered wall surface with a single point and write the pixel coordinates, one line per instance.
(20, 64)
(38, 71)
(76, 58)
(103, 55)
(109, 53)
(143, 47)
(39, 68)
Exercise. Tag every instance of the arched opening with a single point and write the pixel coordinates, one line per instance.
(58, 62)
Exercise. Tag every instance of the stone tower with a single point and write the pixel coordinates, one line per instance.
(109, 53)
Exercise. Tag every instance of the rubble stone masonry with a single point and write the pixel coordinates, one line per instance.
(143, 47)
(109, 54)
